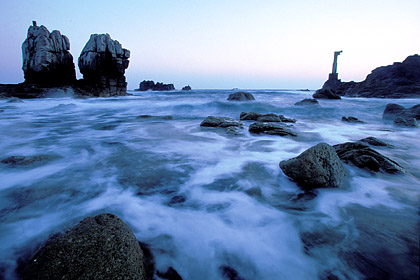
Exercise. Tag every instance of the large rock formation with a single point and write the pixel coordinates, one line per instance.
(151, 85)
(401, 79)
(46, 57)
(317, 167)
(103, 62)
(102, 247)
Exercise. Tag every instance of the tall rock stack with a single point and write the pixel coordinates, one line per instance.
(46, 57)
(103, 62)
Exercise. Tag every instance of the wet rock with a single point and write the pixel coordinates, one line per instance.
(406, 122)
(224, 122)
(15, 161)
(362, 156)
(351, 119)
(326, 94)
(186, 88)
(288, 120)
(393, 111)
(252, 116)
(307, 102)
(46, 57)
(270, 129)
(177, 200)
(155, 117)
(170, 274)
(241, 96)
(229, 273)
(102, 247)
(14, 100)
(374, 142)
(317, 167)
(151, 85)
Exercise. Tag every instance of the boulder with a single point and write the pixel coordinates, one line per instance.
(150, 85)
(224, 122)
(393, 111)
(102, 247)
(406, 122)
(186, 88)
(362, 156)
(241, 96)
(252, 116)
(317, 167)
(270, 129)
(46, 57)
(307, 102)
(326, 94)
(103, 62)
(375, 142)
(351, 119)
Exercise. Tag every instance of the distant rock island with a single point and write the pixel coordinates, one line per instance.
(151, 85)
(48, 66)
(399, 80)
(187, 88)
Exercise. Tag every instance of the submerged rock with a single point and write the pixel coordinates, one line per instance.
(351, 119)
(326, 94)
(393, 111)
(307, 102)
(14, 161)
(317, 167)
(406, 122)
(241, 96)
(224, 122)
(102, 247)
(362, 156)
(270, 129)
(150, 85)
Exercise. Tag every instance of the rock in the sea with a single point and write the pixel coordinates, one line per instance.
(46, 57)
(241, 96)
(103, 62)
(270, 129)
(186, 88)
(317, 167)
(362, 156)
(406, 122)
(15, 161)
(253, 116)
(351, 119)
(326, 94)
(307, 102)
(170, 274)
(150, 85)
(224, 122)
(102, 247)
(393, 111)
(375, 142)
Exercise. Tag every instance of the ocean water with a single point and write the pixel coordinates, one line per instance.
(210, 204)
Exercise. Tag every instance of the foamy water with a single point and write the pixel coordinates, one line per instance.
(203, 199)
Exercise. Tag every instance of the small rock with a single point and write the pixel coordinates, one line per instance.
(211, 121)
(241, 96)
(14, 100)
(375, 142)
(269, 118)
(229, 273)
(326, 94)
(270, 129)
(307, 102)
(251, 116)
(351, 119)
(170, 274)
(406, 122)
(284, 119)
(186, 88)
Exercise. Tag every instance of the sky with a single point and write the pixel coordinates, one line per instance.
(223, 44)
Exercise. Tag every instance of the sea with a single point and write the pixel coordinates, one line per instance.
(210, 203)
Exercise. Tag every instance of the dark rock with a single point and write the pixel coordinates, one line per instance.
(351, 119)
(362, 156)
(177, 199)
(326, 94)
(268, 118)
(288, 120)
(14, 100)
(375, 142)
(155, 117)
(102, 247)
(252, 116)
(241, 96)
(46, 57)
(148, 260)
(170, 274)
(229, 273)
(406, 122)
(186, 88)
(211, 121)
(393, 111)
(307, 101)
(150, 85)
(317, 167)
(14, 161)
(270, 129)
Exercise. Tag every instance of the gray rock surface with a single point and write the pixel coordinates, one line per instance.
(103, 62)
(224, 122)
(102, 247)
(270, 129)
(317, 167)
(241, 96)
(307, 102)
(362, 156)
(46, 57)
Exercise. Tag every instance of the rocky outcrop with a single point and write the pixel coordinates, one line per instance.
(187, 88)
(401, 79)
(394, 110)
(362, 156)
(317, 167)
(103, 62)
(102, 247)
(224, 122)
(326, 94)
(252, 116)
(151, 85)
(307, 102)
(270, 129)
(351, 119)
(240, 96)
(46, 57)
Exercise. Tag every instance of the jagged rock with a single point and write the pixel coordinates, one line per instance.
(224, 122)
(241, 96)
(362, 156)
(393, 110)
(103, 62)
(46, 57)
(102, 247)
(307, 101)
(186, 88)
(351, 119)
(270, 129)
(150, 85)
(317, 167)
(252, 116)
(406, 121)
(326, 94)
(375, 142)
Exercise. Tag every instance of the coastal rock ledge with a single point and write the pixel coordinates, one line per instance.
(102, 247)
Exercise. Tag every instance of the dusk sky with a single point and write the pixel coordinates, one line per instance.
(224, 44)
